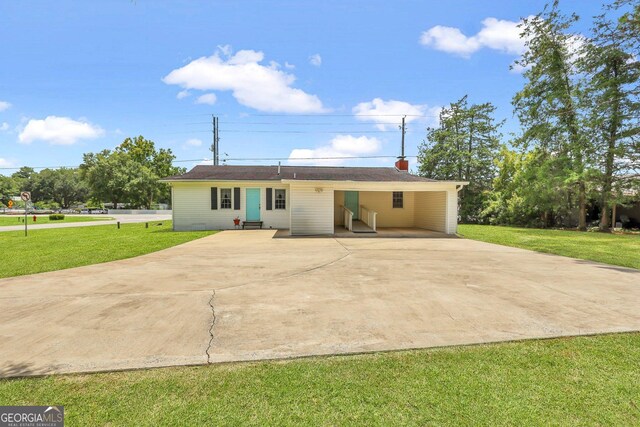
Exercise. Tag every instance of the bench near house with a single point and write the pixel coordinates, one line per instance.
(312, 200)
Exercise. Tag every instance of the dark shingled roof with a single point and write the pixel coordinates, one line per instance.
(315, 173)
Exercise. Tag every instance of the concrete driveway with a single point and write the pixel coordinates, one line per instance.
(242, 295)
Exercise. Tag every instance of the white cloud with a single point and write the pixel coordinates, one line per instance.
(315, 59)
(59, 131)
(226, 49)
(496, 34)
(193, 142)
(383, 112)
(4, 105)
(207, 98)
(4, 163)
(262, 87)
(289, 66)
(4, 126)
(340, 146)
(183, 94)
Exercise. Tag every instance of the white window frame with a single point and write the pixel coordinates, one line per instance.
(275, 199)
(230, 190)
(393, 199)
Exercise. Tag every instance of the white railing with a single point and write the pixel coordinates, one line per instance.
(348, 218)
(368, 216)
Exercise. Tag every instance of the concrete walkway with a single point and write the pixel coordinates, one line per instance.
(123, 219)
(242, 295)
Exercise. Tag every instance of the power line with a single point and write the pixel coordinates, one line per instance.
(309, 123)
(230, 159)
(301, 131)
(326, 132)
(337, 115)
(314, 158)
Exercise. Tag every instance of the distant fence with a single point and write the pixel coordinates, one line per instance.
(138, 212)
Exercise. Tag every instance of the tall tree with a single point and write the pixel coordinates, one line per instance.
(612, 74)
(107, 175)
(548, 105)
(25, 178)
(530, 190)
(8, 189)
(130, 173)
(63, 186)
(157, 163)
(463, 147)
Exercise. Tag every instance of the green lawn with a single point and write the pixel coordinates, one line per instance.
(6, 220)
(616, 249)
(571, 381)
(55, 249)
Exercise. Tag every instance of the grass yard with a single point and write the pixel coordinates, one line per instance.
(570, 381)
(615, 249)
(6, 220)
(59, 248)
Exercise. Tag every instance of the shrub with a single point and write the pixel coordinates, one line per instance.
(56, 217)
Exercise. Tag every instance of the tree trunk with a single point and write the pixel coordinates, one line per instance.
(604, 218)
(470, 149)
(613, 216)
(582, 202)
(610, 155)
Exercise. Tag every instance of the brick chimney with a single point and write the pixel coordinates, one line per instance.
(402, 165)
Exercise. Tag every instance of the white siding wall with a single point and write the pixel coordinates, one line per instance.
(192, 206)
(311, 210)
(431, 210)
(452, 211)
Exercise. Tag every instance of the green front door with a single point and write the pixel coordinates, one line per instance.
(253, 204)
(351, 202)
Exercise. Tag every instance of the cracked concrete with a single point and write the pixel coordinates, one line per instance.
(246, 296)
(213, 323)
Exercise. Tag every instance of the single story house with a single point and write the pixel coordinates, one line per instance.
(312, 200)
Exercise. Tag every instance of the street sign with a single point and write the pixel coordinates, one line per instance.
(25, 196)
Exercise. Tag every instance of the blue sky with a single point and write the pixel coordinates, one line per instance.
(286, 78)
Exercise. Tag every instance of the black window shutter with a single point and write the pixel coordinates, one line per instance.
(269, 199)
(236, 198)
(214, 197)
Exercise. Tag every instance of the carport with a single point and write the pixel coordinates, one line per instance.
(401, 206)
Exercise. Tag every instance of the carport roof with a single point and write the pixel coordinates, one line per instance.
(302, 173)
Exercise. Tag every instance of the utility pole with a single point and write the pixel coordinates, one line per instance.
(403, 132)
(217, 142)
(214, 144)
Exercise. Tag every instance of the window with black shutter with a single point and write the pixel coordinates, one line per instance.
(269, 199)
(236, 198)
(214, 198)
